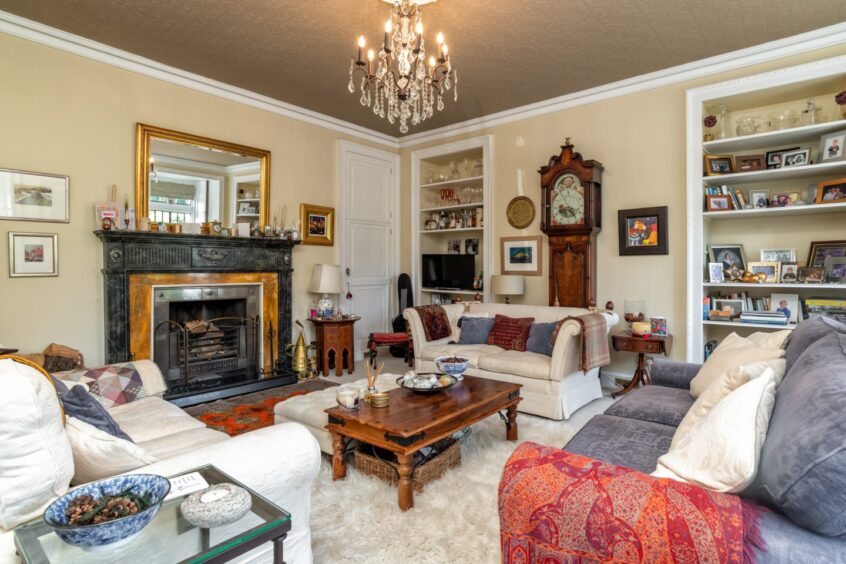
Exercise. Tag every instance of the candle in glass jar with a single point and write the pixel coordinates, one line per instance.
(347, 398)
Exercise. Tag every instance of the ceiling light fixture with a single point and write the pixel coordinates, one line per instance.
(397, 82)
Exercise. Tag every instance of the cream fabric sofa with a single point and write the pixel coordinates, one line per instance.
(279, 462)
(553, 387)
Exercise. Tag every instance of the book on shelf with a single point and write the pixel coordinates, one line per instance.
(766, 317)
(826, 307)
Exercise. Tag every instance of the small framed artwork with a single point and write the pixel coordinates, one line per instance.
(748, 163)
(778, 255)
(786, 304)
(831, 147)
(454, 247)
(831, 191)
(821, 250)
(718, 203)
(768, 269)
(774, 158)
(729, 255)
(521, 255)
(33, 254)
(715, 273)
(643, 231)
(244, 208)
(788, 273)
(811, 274)
(34, 196)
(835, 270)
(318, 224)
(759, 198)
(784, 199)
(795, 158)
(718, 164)
(736, 306)
(658, 326)
(471, 246)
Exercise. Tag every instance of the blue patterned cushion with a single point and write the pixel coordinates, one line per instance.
(82, 405)
(474, 330)
(540, 338)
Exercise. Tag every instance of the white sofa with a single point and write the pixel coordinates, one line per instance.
(279, 462)
(553, 387)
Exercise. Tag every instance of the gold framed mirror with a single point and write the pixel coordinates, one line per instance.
(184, 178)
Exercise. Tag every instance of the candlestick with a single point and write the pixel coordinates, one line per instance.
(360, 46)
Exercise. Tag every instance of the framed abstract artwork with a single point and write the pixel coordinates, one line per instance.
(318, 224)
(643, 231)
(521, 255)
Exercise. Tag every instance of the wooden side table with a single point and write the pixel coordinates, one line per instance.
(641, 345)
(335, 336)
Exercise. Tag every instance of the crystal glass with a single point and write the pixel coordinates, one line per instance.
(634, 310)
(723, 125)
(348, 397)
(454, 173)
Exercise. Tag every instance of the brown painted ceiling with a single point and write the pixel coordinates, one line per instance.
(507, 52)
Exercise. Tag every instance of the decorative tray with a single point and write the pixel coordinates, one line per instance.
(444, 381)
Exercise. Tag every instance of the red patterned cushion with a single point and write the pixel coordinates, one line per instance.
(510, 333)
(435, 322)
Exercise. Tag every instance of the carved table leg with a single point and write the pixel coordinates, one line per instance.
(640, 375)
(405, 493)
(511, 423)
(351, 360)
(339, 467)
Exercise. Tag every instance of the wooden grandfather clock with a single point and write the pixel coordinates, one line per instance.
(571, 203)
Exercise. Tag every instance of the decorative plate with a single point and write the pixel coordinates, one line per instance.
(402, 384)
(520, 212)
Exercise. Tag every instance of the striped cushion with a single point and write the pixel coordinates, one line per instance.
(510, 333)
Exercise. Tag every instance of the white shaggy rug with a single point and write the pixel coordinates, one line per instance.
(454, 519)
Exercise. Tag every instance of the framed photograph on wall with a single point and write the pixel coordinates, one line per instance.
(643, 231)
(317, 224)
(33, 254)
(34, 196)
(832, 147)
(521, 255)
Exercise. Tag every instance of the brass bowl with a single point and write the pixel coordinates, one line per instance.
(379, 399)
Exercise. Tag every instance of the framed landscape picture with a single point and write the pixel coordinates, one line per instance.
(318, 224)
(643, 231)
(521, 255)
(34, 196)
(33, 254)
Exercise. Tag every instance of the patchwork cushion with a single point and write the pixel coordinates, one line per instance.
(111, 385)
(806, 334)
(510, 333)
(540, 338)
(733, 351)
(527, 364)
(435, 322)
(82, 405)
(658, 404)
(474, 330)
(804, 456)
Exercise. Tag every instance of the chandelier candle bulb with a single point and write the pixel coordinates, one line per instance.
(387, 35)
(360, 46)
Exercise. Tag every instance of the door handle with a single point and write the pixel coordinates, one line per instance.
(348, 272)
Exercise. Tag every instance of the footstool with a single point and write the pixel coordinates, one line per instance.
(308, 410)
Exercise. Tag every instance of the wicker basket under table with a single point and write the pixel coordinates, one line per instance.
(429, 471)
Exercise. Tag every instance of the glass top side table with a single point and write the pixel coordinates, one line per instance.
(169, 538)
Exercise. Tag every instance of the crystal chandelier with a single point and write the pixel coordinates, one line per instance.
(402, 86)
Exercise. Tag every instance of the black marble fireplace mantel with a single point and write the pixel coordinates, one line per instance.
(128, 252)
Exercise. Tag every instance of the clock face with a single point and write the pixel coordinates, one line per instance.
(567, 201)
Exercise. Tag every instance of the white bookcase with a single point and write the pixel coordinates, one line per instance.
(431, 173)
(787, 227)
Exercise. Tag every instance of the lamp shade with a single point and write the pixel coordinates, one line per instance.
(507, 285)
(325, 279)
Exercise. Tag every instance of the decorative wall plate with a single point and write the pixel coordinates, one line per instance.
(520, 212)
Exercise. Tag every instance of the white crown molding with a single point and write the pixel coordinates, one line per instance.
(781, 48)
(23, 28)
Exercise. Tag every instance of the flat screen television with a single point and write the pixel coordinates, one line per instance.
(453, 272)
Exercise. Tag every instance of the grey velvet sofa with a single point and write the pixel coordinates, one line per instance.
(802, 474)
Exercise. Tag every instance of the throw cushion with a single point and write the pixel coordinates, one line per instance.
(725, 385)
(435, 322)
(722, 450)
(82, 405)
(806, 334)
(36, 463)
(804, 456)
(540, 338)
(117, 384)
(474, 330)
(98, 455)
(770, 339)
(510, 333)
(733, 351)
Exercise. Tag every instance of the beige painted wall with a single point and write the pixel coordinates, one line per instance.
(640, 139)
(65, 114)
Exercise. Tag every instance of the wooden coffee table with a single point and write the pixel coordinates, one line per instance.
(413, 421)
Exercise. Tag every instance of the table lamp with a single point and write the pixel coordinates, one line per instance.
(325, 279)
(507, 285)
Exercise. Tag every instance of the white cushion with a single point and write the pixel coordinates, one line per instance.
(98, 455)
(36, 463)
(770, 339)
(177, 443)
(722, 450)
(726, 384)
(733, 351)
(520, 363)
(471, 352)
(152, 418)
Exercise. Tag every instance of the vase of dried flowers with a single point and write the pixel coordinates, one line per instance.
(709, 122)
(841, 101)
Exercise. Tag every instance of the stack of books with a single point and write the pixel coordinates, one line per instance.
(766, 317)
(834, 308)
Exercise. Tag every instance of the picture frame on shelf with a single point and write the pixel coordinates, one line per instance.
(788, 273)
(715, 273)
(718, 203)
(831, 191)
(778, 255)
(716, 165)
(788, 304)
(784, 199)
(33, 254)
(731, 254)
(454, 247)
(774, 158)
(748, 163)
(318, 225)
(832, 147)
(800, 157)
(769, 269)
(811, 275)
(643, 231)
(835, 270)
(35, 196)
(521, 255)
(759, 198)
(736, 305)
(820, 250)
(471, 246)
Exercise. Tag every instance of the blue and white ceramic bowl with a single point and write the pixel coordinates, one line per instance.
(452, 365)
(89, 536)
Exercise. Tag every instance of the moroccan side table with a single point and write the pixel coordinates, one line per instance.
(653, 344)
(335, 337)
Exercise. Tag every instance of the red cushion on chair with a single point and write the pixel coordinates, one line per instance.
(389, 338)
(510, 333)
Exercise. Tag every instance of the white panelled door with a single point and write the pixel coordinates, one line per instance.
(369, 194)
